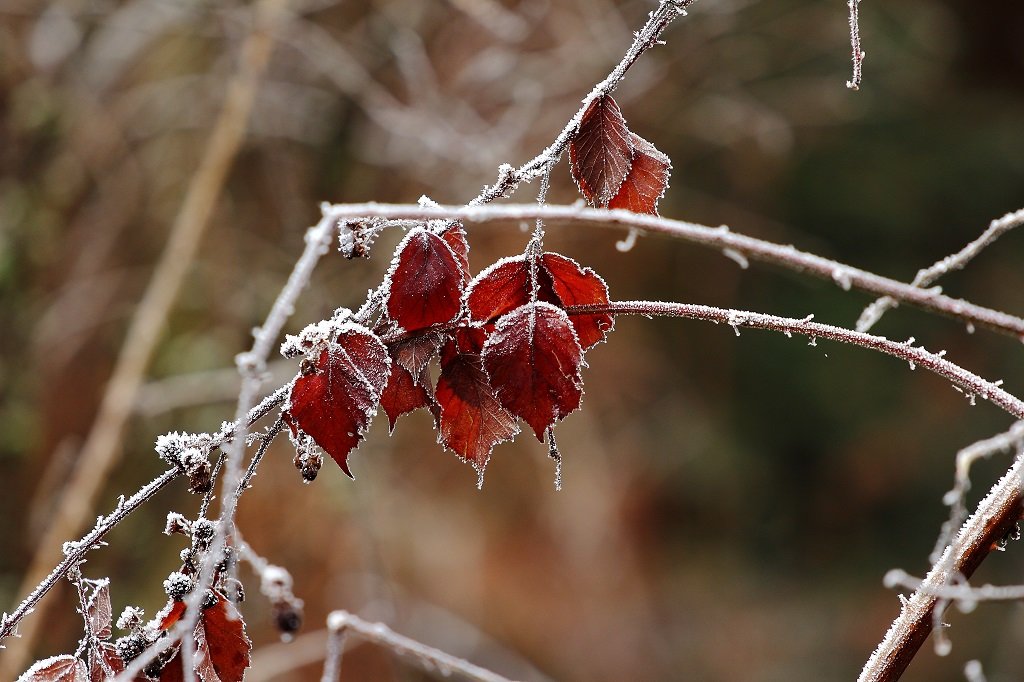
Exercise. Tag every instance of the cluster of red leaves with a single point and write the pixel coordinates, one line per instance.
(506, 347)
(613, 167)
(222, 648)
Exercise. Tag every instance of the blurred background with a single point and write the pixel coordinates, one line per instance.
(730, 504)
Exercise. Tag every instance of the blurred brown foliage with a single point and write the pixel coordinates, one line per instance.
(730, 504)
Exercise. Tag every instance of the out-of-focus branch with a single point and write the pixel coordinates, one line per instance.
(732, 243)
(340, 623)
(102, 447)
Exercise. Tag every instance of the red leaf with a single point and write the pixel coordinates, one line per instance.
(600, 154)
(172, 613)
(572, 285)
(533, 360)
(500, 288)
(64, 668)
(223, 647)
(415, 353)
(103, 662)
(455, 237)
(647, 179)
(403, 395)
(505, 286)
(335, 403)
(471, 419)
(426, 282)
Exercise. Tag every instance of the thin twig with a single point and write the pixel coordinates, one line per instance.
(844, 276)
(510, 178)
(74, 552)
(957, 261)
(963, 593)
(969, 382)
(432, 660)
(858, 53)
(265, 440)
(955, 498)
(996, 516)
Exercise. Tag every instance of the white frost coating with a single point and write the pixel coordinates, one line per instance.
(974, 672)
(40, 666)
(626, 245)
(486, 272)
(843, 278)
(738, 257)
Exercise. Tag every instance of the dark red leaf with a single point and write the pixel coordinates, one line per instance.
(500, 288)
(171, 614)
(561, 281)
(403, 395)
(414, 354)
(64, 668)
(533, 360)
(334, 404)
(471, 419)
(174, 671)
(647, 179)
(600, 154)
(104, 661)
(223, 647)
(426, 282)
(455, 237)
(573, 285)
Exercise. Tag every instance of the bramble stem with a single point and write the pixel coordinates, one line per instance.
(76, 551)
(844, 276)
(971, 383)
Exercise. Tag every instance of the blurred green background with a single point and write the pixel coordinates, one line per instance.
(730, 505)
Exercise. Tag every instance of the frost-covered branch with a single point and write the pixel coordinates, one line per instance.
(341, 623)
(510, 178)
(1013, 439)
(994, 520)
(855, 48)
(74, 552)
(968, 382)
(957, 261)
(721, 238)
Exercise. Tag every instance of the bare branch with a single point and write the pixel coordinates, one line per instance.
(510, 178)
(967, 381)
(844, 276)
(74, 552)
(858, 53)
(432, 660)
(955, 498)
(997, 515)
(957, 261)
